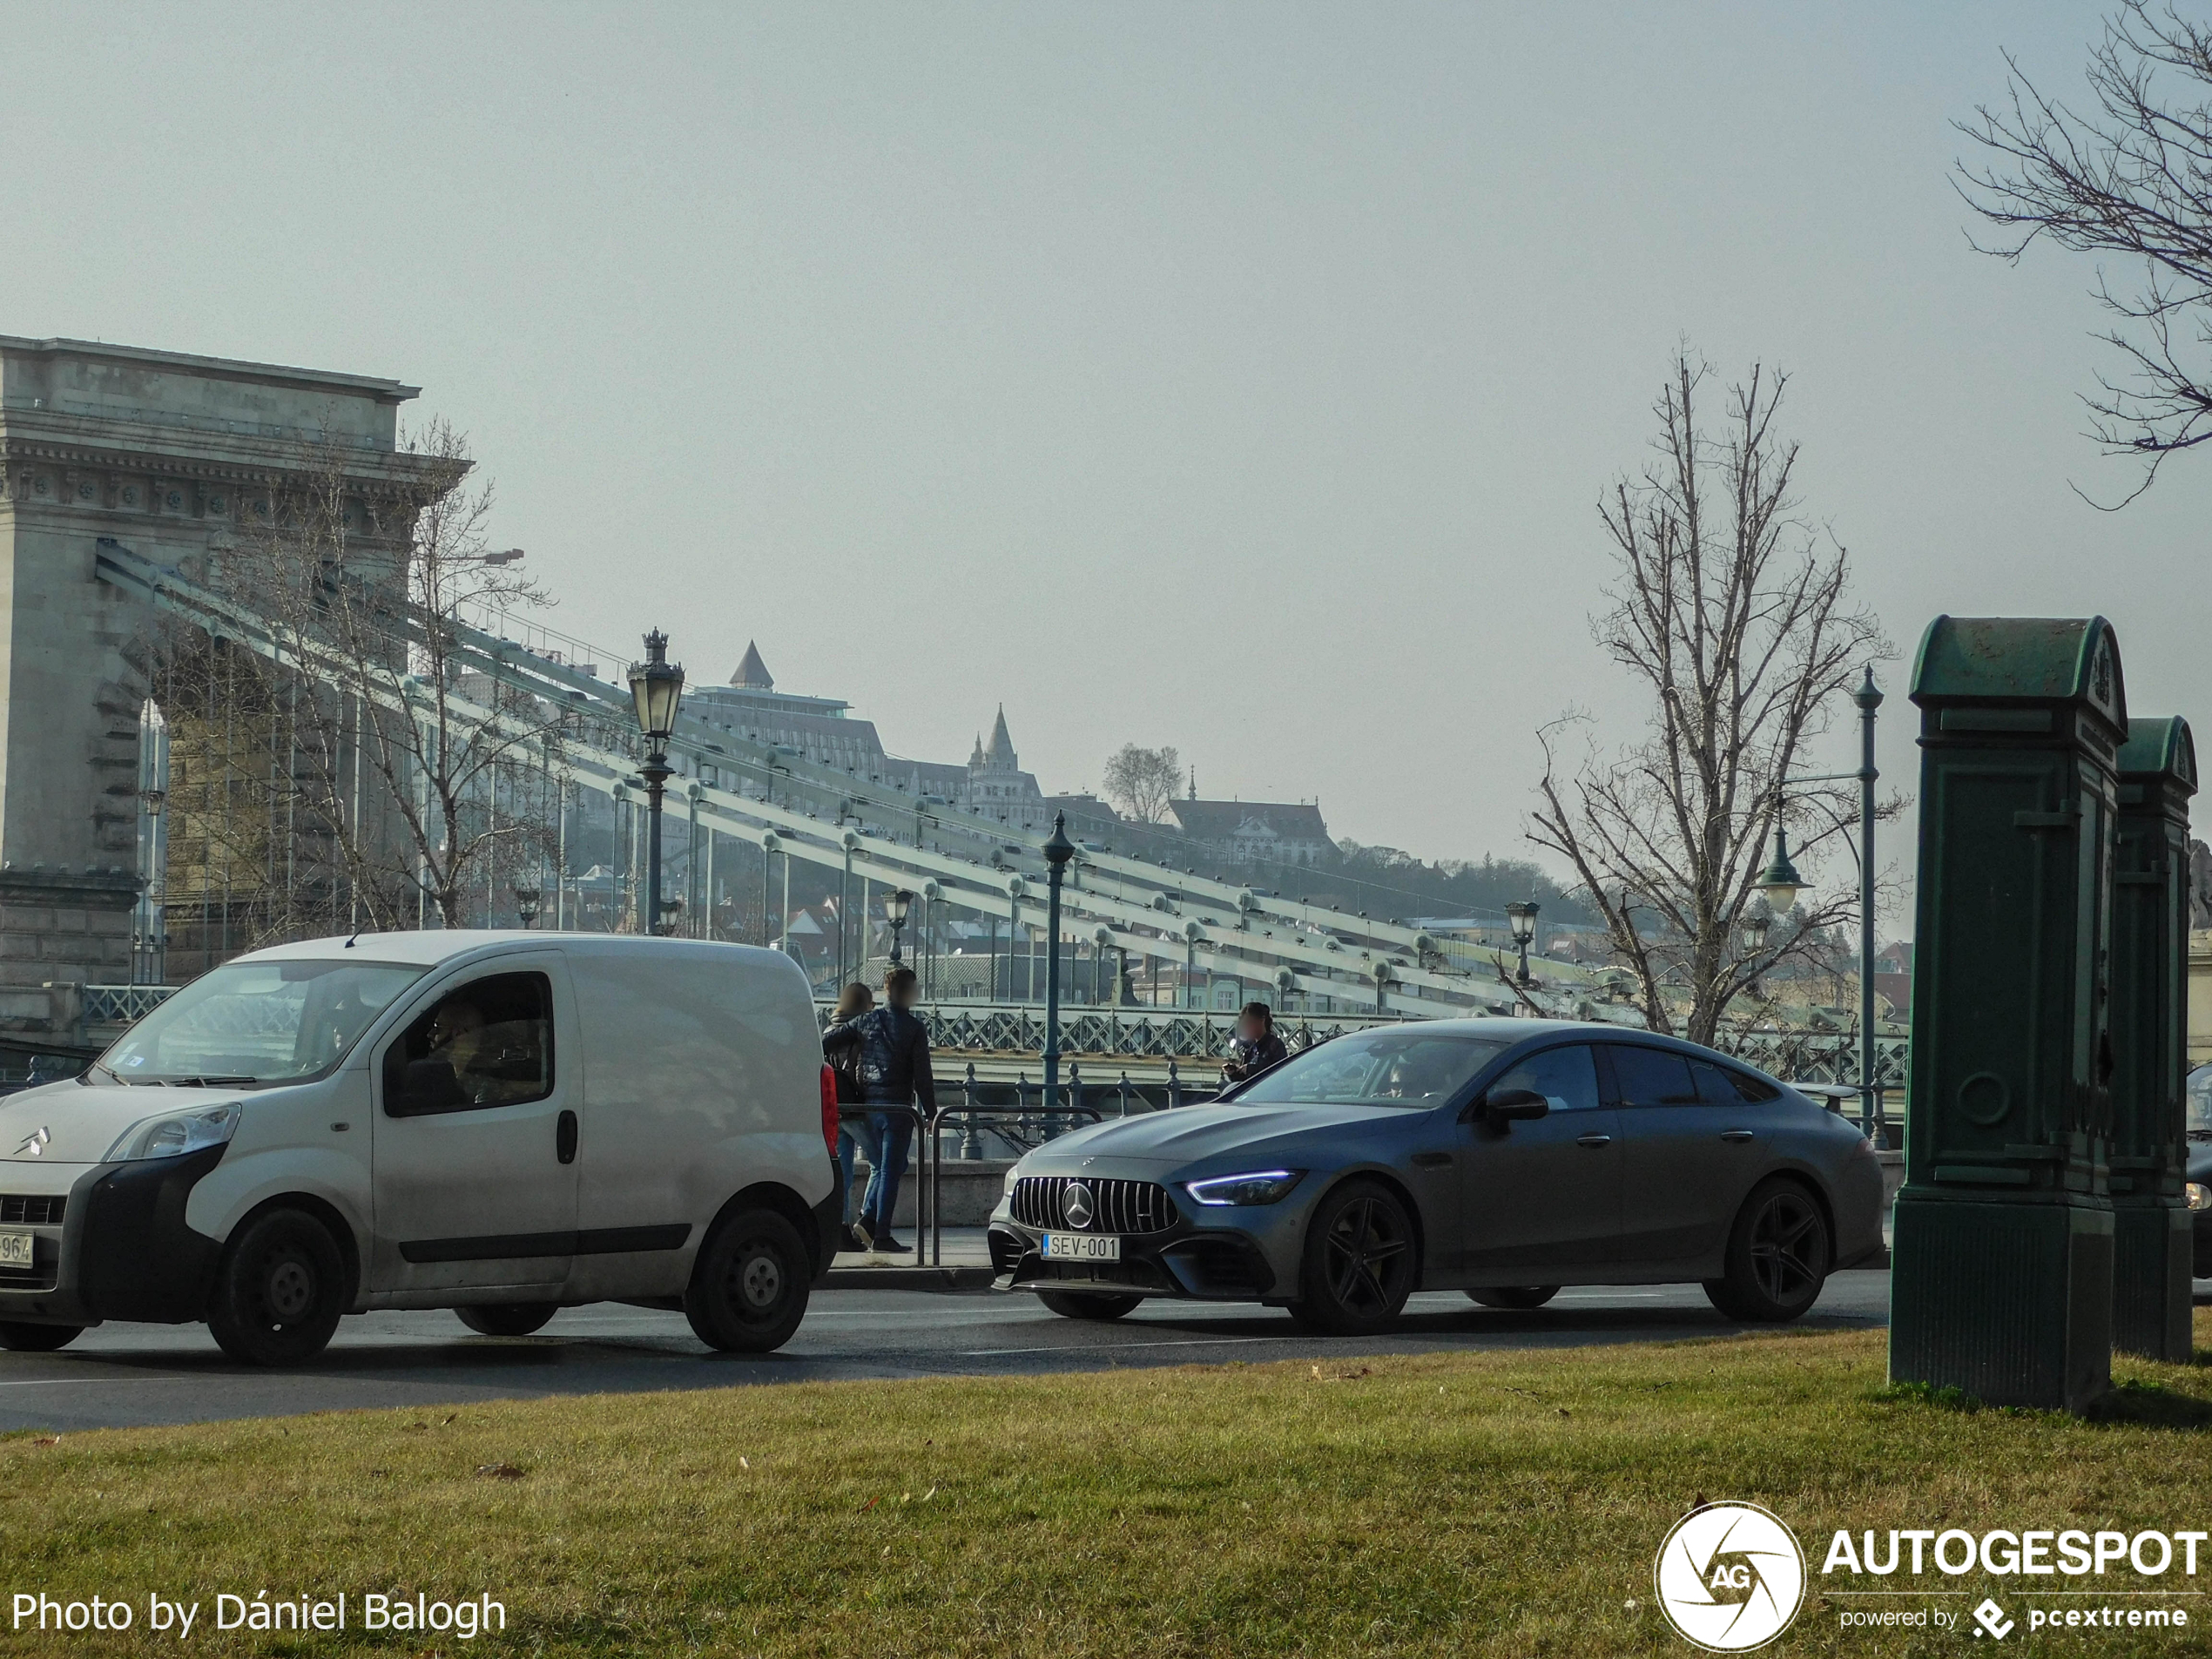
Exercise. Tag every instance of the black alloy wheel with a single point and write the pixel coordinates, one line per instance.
(1071, 1305)
(1519, 1297)
(507, 1318)
(21, 1336)
(1779, 1254)
(1359, 1265)
(279, 1291)
(749, 1286)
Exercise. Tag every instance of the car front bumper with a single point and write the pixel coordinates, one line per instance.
(1200, 1263)
(120, 1249)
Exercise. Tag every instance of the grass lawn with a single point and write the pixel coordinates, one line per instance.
(1506, 1504)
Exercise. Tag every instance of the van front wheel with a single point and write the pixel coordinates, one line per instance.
(279, 1291)
(748, 1290)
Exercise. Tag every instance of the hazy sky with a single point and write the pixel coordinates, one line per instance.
(1236, 377)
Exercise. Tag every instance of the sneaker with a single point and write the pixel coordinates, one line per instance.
(884, 1243)
(860, 1234)
(852, 1241)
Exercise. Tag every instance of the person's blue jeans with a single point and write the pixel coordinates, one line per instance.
(895, 1133)
(856, 1132)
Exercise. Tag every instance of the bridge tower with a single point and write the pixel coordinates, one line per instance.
(168, 455)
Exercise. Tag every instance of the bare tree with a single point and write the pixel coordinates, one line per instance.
(2132, 176)
(426, 781)
(1731, 612)
(1143, 781)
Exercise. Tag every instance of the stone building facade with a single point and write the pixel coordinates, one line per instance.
(165, 453)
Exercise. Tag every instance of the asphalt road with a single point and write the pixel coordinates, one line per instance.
(122, 1375)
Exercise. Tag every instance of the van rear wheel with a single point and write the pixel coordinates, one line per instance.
(20, 1336)
(507, 1318)
(279, 1289)
(748, 1290)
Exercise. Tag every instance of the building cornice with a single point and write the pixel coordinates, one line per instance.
(226, 369)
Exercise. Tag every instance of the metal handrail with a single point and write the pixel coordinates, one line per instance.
(973, 1112)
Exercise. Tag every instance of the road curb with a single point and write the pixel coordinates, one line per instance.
(908, 1279)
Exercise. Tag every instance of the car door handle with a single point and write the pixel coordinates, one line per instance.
(1593, 1140)
(564, 1138)
(1432, 1160)
(1738, 1134)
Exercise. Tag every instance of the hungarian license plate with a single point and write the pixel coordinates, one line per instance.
(1081, 1247)
(16, 1249)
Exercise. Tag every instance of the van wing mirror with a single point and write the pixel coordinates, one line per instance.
(1515, 1105)
(427, 1086)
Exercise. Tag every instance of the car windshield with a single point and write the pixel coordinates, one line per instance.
(257, 1022)
(2200, 1099)
(1399, 1066)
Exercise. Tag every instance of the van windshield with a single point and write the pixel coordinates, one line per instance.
(257, 1022)
(1401, 1067)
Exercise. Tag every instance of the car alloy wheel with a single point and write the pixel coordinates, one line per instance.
(1359, 1261)
(1778, 1254)
(749, 1286)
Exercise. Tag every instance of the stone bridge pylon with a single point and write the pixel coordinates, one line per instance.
(170, 455)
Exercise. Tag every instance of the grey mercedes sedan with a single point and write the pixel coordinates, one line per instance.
(1501, 1157)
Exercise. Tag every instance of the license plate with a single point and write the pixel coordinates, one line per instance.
(16, 1249)
(1081, 1247)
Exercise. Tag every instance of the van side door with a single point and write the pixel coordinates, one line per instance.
(475, 1133)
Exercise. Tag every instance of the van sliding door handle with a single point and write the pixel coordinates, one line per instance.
(1593, 1140)
(564, 1138)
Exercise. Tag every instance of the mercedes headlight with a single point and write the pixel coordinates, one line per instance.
(176, 1134)
(2199, 1195)
(1261, 1186)
(1012, 1174)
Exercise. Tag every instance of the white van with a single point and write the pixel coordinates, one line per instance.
(502, 1123)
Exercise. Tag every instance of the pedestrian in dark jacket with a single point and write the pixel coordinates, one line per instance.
(854, 1132)
(891, 1049)
(1255, 1047)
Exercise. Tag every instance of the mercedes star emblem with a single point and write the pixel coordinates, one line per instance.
(1076, 1205)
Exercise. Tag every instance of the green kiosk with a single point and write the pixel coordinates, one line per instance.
(2001, 1277)
(2150, 1272)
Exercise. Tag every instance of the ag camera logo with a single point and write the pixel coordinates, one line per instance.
(1729, 1577)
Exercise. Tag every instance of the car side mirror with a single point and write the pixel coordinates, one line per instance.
(426, 1086)
(1516, 1105)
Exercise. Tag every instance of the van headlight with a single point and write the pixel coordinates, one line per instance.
(1263, 1186)
(176, 1134)
(2199, 1195)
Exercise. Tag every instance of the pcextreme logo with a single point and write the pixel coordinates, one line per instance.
(1729, 1577)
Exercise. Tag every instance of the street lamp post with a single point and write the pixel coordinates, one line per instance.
(895, 906)
(657, 687)
(1522, 918)
(1057, 852)
(1781, 883)
(1756, 923)
(527, 895)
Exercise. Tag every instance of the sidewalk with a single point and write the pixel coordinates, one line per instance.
(966, 1265)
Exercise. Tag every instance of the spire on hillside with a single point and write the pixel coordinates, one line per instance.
(999, 751)
(975, 756)
(752, 674)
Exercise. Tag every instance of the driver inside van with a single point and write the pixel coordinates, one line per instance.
(457, 1038)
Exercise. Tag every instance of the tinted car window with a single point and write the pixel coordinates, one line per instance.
(1653, 1077)
(1402, 1066)
(496, 1033)
(1567, 1077)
